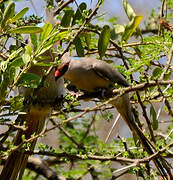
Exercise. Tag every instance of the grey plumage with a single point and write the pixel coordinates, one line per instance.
(89, 74)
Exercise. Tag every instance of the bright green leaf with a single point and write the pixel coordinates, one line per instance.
(28, 49)
(26, 30)
(33, 38)
(104, 40)
(18, 62)
(131, 27)
(47, 28)
(18, 15)
(79, 47)
(119, 29)
(50, 41)
(129, 10)
(14, 54)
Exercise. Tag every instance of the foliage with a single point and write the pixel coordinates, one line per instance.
(143, 55)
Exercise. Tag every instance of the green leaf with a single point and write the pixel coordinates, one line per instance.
(50, 41)
(33, 38)
(119, 29)
(8, 13)
(26, 30)
(3, 65)
(12, 73)
(28, 49)
(153, 116)
(14, 54)
(18, 15)
(87, 36)
(66, 20)
(18, 62)
(79, 47)
(129, 10)
(78, 14)
(157, 72)
(45, 64)
(29, 80)
(47, 28)
(131, 27)
(104, 40)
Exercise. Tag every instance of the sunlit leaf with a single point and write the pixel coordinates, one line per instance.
(129, 10)
(131, 27)
(119, 29)
(18, 62)
(34, 41)
(26, 30)
(46, 30)
(104, 40)
(18, 15)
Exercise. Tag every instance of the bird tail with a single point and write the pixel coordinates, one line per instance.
(123, 106)
(17, 160)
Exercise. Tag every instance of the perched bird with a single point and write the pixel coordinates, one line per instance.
(34, 118)
(90, 74)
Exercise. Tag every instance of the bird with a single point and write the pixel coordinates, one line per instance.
(90, 74)
(35, 117)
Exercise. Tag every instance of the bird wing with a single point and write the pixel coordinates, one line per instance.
(106, 72)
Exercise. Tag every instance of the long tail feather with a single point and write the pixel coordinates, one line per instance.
(17, 160)
(124, 108)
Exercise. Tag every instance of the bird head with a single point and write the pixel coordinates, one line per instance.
(61, 70)
(63, 67)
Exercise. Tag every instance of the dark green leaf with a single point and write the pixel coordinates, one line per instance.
(26, 30)
(29, 80)
(79, 47)
(78, 14)
(87, 36)
(104, 40)
(66, 20)
(153, 116)
(157, 72)
(12, 73)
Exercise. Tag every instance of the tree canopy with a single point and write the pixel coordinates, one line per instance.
(141, 50)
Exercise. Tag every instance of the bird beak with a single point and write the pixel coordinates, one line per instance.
(61, 70)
